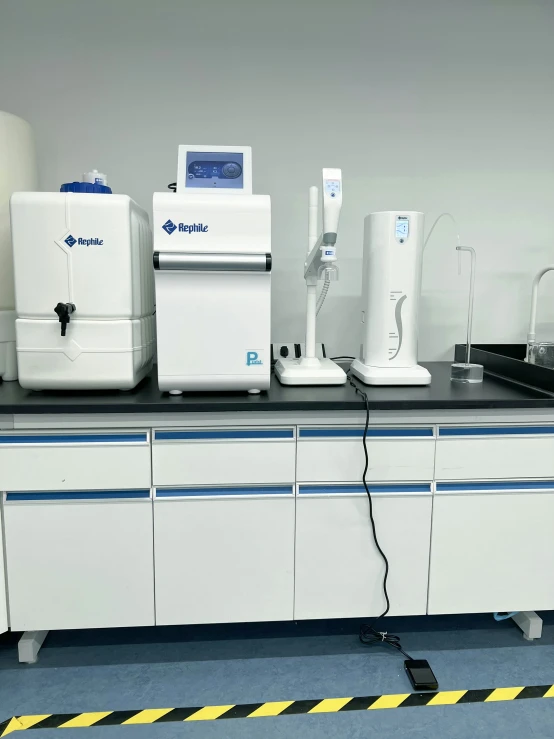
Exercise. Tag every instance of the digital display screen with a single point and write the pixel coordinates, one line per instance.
(220, 169)
(402, 228)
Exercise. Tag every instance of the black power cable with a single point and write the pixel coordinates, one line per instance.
(368, 634)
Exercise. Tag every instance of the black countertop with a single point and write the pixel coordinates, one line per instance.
(493, 392)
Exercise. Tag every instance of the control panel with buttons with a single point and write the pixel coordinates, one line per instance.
(332, 188)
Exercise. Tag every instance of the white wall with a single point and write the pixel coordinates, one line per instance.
(431, 105)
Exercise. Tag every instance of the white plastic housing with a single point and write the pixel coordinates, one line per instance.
(94, 251)
(211, 323)
(393, 252)
(332, 199)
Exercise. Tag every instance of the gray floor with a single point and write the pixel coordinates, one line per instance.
(171, 667)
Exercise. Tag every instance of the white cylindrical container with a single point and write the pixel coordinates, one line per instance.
(18, 172)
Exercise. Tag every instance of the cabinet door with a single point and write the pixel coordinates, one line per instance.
(224, 554)
(336, 454)
(79, 559)
(338, 569)
(492, 547)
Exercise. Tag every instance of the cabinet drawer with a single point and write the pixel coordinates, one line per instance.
(79, 559)
(493, 452)
(338, 570)
(224, 456)
(74, 461)
(492, 547)
(336, 454)
(224, 554)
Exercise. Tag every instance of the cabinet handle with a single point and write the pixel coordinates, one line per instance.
(225, 491)
(359, 489)
(79, 495)
(73, 438)
(357, 433)
(496, 431)
(225, 434)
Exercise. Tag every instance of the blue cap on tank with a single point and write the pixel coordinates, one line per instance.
(85, 187)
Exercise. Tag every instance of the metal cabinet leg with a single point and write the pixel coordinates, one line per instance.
(29, 645)
(530, 624)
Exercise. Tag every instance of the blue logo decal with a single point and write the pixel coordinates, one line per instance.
(169, 227)
(193, 228)
(70, 241)
(252, 358)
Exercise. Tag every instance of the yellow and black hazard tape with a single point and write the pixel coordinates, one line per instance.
(275, 708)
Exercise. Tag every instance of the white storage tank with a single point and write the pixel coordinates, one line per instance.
(84, 289)
(17, 172)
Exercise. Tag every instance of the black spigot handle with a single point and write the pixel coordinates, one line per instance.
(64, 311)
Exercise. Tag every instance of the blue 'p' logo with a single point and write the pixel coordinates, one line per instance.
(252, 358)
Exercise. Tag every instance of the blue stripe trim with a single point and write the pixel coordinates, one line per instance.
(80, 495)
(356, 488)
(496, 430)
(357, 433)
(226, 434)
(512, 485)
(71, 438)
(204, 492)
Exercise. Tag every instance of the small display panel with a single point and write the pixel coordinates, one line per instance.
(219, 169)
(402, 228)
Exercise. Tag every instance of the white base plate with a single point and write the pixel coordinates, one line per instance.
(297, 372)
(415, 375)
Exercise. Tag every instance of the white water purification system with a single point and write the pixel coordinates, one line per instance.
(391, 288)
(84, 288)
(212, 264)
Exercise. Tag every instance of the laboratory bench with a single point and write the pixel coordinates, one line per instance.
(140, 508)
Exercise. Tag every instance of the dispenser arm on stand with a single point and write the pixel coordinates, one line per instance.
(531, 335)
(320, 264)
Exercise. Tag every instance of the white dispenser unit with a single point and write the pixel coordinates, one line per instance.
(84, 289)
(212, 263)
(393, 253)
(320, 264)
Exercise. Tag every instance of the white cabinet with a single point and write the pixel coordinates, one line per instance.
(492, 547)
(336, 453)
(224, 554)
(224, 456)
(339, 572)
(494, 452)
(79, 559)
(74, 460)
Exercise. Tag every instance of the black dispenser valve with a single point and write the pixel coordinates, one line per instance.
(64, 311)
